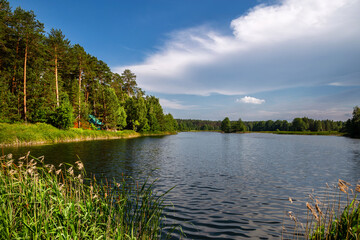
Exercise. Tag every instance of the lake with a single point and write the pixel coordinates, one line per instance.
(227, 186)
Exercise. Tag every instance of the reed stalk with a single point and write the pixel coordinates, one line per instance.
(43, 201)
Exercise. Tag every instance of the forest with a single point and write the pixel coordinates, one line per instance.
(44, 78)
(351, 127)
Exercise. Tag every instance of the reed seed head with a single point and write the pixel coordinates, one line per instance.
(58, 172)
(312, 210)
(80, 165)
(9, 163)
(343, 185)
(357, 188)
(292, 216)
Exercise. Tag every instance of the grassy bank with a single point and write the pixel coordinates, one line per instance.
(39, 201)
(41, 133)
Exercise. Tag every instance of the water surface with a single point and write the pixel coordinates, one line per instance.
(228, 186)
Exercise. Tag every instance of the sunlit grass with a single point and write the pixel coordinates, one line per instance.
(45, 133)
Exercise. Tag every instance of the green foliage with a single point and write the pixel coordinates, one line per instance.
(43, 201)
(63, 117)
(239, 126)
(226, 125)
(353, 124)
(298, 125)
(55, 67)
(170, 124)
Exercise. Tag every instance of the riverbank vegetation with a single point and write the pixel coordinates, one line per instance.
(43, 201)
(39, 133)
(46, 79)
(333, 216)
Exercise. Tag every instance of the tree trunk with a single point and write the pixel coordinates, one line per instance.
(56, 80)
(79, 98)
(14, 76)
(26, 48)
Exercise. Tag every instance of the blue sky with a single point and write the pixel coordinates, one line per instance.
(208, 59)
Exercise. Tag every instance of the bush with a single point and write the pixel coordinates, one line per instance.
(63, 117)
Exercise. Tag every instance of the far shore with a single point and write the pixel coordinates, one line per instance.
(323, 133)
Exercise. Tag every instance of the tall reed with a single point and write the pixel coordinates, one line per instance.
(42, 201)
(335, 215)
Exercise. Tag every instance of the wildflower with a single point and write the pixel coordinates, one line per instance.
(9, 156)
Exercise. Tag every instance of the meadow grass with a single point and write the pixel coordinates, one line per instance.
(335, 215)
(43, 201)
(13, 134)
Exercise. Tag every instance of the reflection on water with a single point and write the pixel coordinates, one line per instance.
(228, 186)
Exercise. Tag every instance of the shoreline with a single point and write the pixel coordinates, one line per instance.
(17, 135)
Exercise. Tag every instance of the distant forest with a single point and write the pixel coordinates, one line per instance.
(298, 124)
(351, 126)
(45, 78)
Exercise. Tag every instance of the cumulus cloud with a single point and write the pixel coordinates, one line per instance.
(175, 104)
(250, 100)
(290, 44)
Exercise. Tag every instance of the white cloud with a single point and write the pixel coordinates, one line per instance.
(175, 104)
(251, 100)
(294, 43)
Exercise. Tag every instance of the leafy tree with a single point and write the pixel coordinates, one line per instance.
(226, 125)
(239, 126)
(63, 117)
(116, 116)
(170, 124)
(30, 31)
(58, 45)
(353, 124)
(130, 84)
(81, 58)
(298, 124)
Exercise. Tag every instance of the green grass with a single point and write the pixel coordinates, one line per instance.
(39, 201)
(11, 134)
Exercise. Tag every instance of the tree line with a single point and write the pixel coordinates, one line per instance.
(45, 78)
(351, 126)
